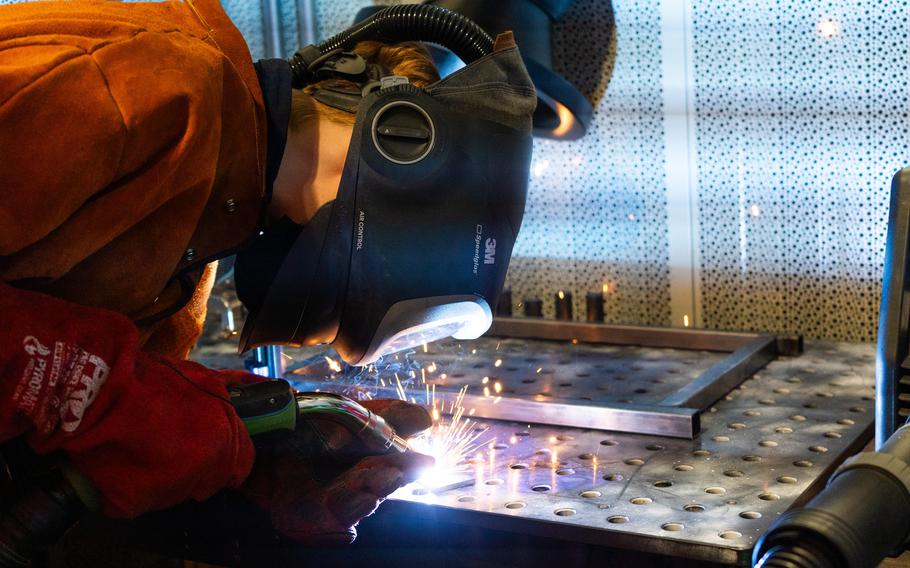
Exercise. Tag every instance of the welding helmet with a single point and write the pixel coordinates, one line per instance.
(416, 245)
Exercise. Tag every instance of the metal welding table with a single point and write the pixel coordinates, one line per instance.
(703, 494)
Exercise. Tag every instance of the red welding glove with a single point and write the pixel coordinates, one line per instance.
(148, 431)
(312, 491)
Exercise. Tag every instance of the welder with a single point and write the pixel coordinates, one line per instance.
(139, 144)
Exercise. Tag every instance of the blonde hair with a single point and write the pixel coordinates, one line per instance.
(410, 60)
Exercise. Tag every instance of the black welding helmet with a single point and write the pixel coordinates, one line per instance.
(416, 245)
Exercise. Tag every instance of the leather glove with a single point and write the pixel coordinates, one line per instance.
(317, 484)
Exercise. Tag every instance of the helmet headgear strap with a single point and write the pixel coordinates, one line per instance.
(347, 67)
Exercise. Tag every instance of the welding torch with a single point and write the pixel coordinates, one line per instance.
(45, 512)
(273, 406)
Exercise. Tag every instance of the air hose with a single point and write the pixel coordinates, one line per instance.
(408, 22)
(862, 516)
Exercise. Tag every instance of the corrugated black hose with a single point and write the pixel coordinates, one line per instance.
(862, 516)
(408, 22)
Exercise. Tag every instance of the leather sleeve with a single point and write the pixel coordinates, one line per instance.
(148, 431)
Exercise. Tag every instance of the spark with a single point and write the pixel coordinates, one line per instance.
(498, 363)
(606, 288)
(451, 440)
(486, 392)
(425, 348)
(539, 370)
(485, 380)
(497, 387)
(333, 365)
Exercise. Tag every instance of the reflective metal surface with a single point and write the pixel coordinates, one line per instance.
(621, 387)
(767, 445)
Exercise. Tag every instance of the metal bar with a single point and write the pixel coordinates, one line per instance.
(271, 28)
(681, 155)
(673, 422)
(621, 334)
(274, 358)
(306, 22)
(726, 375)
(274, 47)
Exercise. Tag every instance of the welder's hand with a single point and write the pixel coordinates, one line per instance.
(317, 484)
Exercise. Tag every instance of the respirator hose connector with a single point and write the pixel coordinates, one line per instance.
(407, 22)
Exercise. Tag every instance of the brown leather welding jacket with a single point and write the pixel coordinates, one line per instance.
(132, 154)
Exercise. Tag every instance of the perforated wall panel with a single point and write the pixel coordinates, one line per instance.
(597, 207)
(247, 16)
(801, 115)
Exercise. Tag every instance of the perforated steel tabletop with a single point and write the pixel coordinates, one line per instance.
(768, 445)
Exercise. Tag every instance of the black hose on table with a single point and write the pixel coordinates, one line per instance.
(862, 516)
